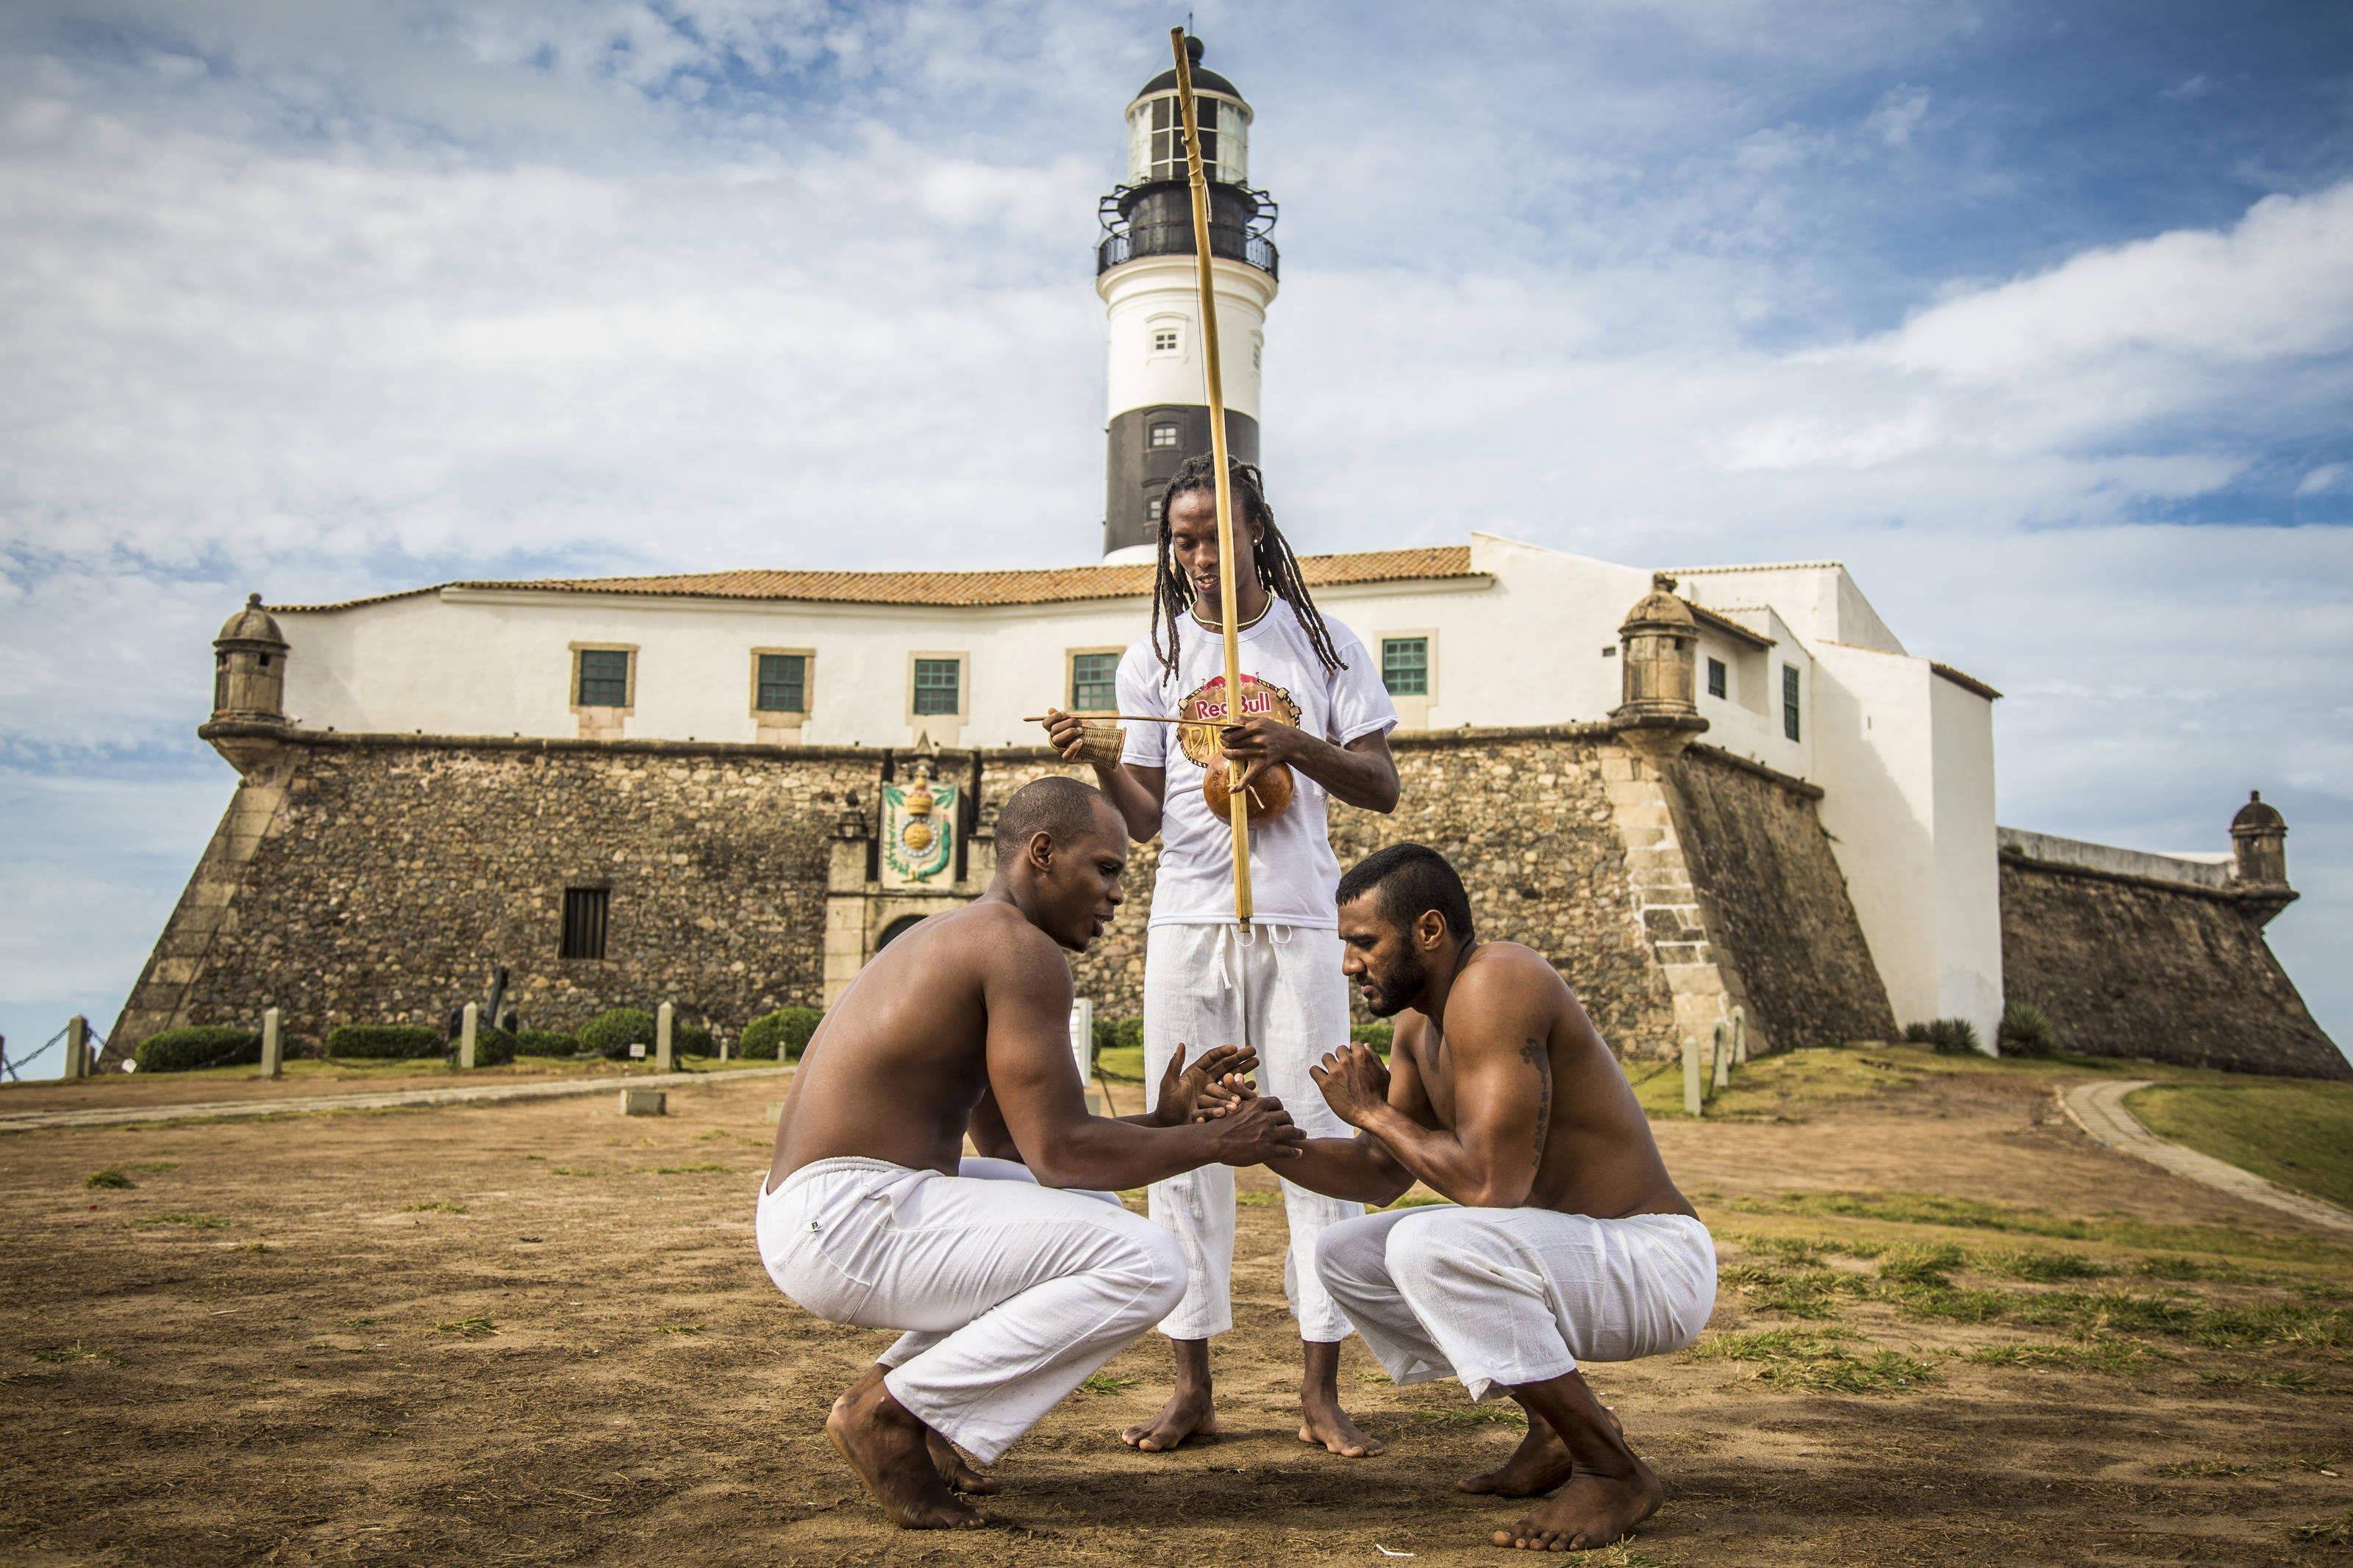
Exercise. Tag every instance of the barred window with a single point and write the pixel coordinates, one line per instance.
(1094, 682)
(1163, 435)
(1715, 678)
(1163, 342)
(1405, 666)
(936, 683)
(1790, 700)
(604, 678)
(585, 920)
(784, 683)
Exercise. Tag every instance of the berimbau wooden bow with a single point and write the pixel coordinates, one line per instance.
(1237, 805)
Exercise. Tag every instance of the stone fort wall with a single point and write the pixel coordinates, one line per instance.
(377, 879)
(2128, 966)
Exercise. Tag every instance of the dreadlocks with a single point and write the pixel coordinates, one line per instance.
(1278, 568)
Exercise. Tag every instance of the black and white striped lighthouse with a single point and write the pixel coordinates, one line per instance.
(1144, 272)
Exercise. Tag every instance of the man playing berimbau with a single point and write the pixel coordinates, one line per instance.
(1569, 1243)
(1313, 719)
(1013, 1292)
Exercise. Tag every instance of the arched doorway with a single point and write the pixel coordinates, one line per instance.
(895, 930)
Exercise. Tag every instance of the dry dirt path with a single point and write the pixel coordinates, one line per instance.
(361, 1099)
(2099, 1109)
(537, 1331)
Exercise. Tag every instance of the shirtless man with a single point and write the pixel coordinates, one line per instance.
(1570, 1242)
(1014, 1292)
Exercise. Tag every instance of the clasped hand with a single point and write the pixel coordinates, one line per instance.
(1354, 1081)
(1256, 1130)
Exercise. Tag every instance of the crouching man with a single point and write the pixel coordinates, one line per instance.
(1569, 1243)
(1013, 1292)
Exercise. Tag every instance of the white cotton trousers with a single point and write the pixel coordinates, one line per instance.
(1015, 1293)
(1499, 1298)
(1197, 979)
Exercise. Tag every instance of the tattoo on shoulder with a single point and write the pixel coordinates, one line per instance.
(1533, 1054)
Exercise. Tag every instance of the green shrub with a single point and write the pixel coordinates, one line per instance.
(546, 1043)
(383, 1042)
(1376, 1035)
(204, 1046)
(1115, 1034)
(611, 1034)
(2027, 1031)
(783, 1034)
(493, 1046)
(690, 1038)
(1945, 1037)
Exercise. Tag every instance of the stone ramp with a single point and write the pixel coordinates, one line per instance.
(2099, 1109)
(372, 1099)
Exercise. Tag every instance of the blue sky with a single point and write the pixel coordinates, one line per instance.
(2039, 317)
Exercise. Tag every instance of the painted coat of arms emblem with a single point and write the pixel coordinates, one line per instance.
(919, 819)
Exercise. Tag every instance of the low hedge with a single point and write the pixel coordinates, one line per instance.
(611, 1034)
(784, 1033)
(493, 1046)
(383, 1042)
(1376, 1035)
(1117, 1034)
(203, 1046)
(547, 1043)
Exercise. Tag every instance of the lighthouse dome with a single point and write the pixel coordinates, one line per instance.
(1203, 80)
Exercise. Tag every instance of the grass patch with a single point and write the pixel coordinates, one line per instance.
(359, 1322)
(2112, 1358)
(2296, 1133)
(1413, 1200)
(2044, 1267)
(1914, 1264)
(706, 1169)
(471, 1328)
(1949, 1303)
(75, 1352)
(1258, 1200)
(571, 1170)
(1105, 1383)
(2338, 1531)
(193, 1221)
(1820, 1361)
(1976, 1214)
(437, 1206)
(112, 1179)
(255, 1246)
(1801, 1293)
(680, 1329)
(1500, 1412)
(2289, 1379)
(2210, 1468)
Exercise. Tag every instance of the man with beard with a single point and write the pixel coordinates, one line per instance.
(1569, 1242)
(1013, 1293)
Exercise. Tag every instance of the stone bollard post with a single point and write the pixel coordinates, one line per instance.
(1740, 1036)
(1723, 1056)
(723, 1048)
(664, 1023)
(77, 1048)
(272, 1050)
(466, 1031)
(1691, 1076)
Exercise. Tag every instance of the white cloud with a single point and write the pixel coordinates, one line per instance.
(1899, 115)
(2328, 476)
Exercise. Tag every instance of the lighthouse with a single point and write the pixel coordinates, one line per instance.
(1145, 271)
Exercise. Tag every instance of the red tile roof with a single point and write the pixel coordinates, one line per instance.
(1053, 584)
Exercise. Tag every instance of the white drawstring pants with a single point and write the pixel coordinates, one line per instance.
(1499, 1298)
(1197, 981)
(1016, 1293)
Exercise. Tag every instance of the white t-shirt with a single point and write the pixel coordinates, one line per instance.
(1294, 876)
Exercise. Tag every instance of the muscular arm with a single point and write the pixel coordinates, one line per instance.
(1503, 1100)
(1361, 1168)
(1038, 1093)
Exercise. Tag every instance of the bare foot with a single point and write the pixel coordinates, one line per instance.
(1329, 1425)
(1593, 1510)
(1539, 1464)
(889, 1449)
(1186, 1414)
(955, 1470)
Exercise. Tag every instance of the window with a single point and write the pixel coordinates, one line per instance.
(585, 911)
(1163, 342)
(1094, 677)
(604, 678)
(1405, 666)
(1715, 678)
(1790, 700)
(1152, 509)
(220, 681)
(784, 683)
(1156, 142)
(1163, 435)
(936, 680)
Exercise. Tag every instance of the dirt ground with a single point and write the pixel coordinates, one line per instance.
(1952, 1331)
